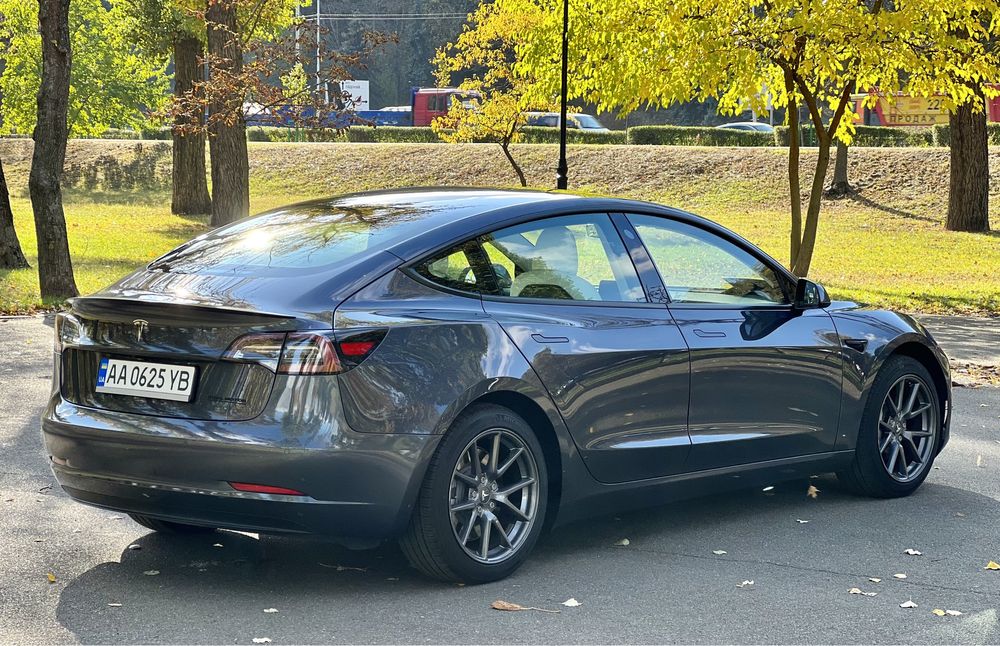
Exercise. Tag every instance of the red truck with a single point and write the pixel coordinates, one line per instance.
(426, 104)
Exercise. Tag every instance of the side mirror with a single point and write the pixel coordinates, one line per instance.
(810, 295)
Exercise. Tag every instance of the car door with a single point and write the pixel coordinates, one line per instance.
(766, 378)
(614, 363)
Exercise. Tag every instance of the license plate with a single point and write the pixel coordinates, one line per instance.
(145, 379)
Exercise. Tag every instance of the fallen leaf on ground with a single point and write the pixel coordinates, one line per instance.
(151, 572)
(217, 545)
(270, 611)
(746, 583)
(953, 613)
(134, 546)
(812, 492)
(344, 568)
(262, 640)
(115, 518)
(500, 604)
(861, 592)
(979, 461)
(912, 552)
(719, 552)
(938, 612)
(960, 514)
(899, 576)
(992, 565)
(39, 540)
(114, 605)
(393, 578)
(875, 579)
(77, 531)
(800, 521)
(908, 604)
(51, 577)
(768, 489)
(623, 543)
(571, 603)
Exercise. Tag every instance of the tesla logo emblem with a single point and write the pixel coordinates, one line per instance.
(141, 327)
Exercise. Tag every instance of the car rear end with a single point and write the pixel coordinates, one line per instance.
(204, 389)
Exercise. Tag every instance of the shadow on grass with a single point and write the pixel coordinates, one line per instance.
(858, 198)
(982, 304)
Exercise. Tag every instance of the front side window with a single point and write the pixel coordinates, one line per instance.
(568, 258)
(698, 266)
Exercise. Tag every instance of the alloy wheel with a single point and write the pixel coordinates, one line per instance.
(907, 425)
(493, 497)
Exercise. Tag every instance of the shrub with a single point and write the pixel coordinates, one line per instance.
(697, 136)
(392, 135)
(942, 134)
(542, 135)
(867, 136)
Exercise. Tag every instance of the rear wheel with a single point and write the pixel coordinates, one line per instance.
(899, 434)
(483, 502)
(169, 527)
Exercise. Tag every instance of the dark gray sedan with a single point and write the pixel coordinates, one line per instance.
(462, 368)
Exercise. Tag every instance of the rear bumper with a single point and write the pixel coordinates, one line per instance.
(357, 485)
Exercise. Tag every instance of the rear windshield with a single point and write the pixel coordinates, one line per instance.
(586, 121)
(303, 236)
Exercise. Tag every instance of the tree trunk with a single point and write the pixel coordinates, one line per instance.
(11, 256)
(227, 132)
(840, 186)
(801, 262)
(190, 184)
(794, 187)
(969, 194)
(55, 269)
(514, 164)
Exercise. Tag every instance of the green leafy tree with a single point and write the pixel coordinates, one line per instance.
(486, 55)
(808, 53)
(111, 83)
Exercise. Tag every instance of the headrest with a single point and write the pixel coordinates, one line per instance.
(555, 250)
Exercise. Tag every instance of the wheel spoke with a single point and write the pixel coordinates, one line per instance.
(921, 433)
(494, 454)
(466, 478)
(476, 460)
(912, 400)
(463, 506)
(469, 527)
(514, 508)
(902, 458)
(484, 549)
(503, 535)
(898, 404)
(885, 444)
(514, 455)
(892, 461)
(516, 487)
(917, 412)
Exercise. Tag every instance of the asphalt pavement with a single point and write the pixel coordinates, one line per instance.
(116, 583)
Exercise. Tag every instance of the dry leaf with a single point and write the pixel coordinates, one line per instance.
(344, 568)
(500, 604)
(392, 578)
(115, 518)
(862, 592)
(960, 514)
(912, 552)
(800, 521)
(979, 461)
(114, 605)
(746, 584)
(134, 547)
(875, 579)
(217, 545)
(262, 640)
(571, 603)
(270, 611)
(992, 565)
(771, 488)
(623, 543)
(938, 612)
(812, 491)
(908, 604)
(51, 577)
(953, 613)
(719, 552)
(151, 572)
(899, 576)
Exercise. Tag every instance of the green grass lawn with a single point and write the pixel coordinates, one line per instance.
(886, 249)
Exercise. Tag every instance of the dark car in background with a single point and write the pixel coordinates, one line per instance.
(460, 369)
(751, 126)
(574, 120)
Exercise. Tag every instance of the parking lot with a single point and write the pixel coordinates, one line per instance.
(117, 583)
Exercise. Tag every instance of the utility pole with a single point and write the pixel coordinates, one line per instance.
(562, 180)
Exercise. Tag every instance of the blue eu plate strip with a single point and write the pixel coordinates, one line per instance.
(102, 373)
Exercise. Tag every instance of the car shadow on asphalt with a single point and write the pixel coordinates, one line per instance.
(228, 579)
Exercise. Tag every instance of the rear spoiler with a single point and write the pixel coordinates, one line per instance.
(153, 307)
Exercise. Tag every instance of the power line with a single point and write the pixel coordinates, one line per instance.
(385, 16)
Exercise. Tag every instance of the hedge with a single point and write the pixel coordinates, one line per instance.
(543, 135)
(697, 136)
(942, 134)
(867, 136)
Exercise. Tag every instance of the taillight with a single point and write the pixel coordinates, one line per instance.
(259, 488)
(69, 331)
(304, 353)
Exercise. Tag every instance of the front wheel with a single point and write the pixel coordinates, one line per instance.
(483, 501)
(900, 432)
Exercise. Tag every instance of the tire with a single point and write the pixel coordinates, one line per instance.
(433, 542)
(875, 473)
(169, 527)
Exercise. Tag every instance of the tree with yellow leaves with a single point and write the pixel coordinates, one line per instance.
(486, 51)
(805, 53)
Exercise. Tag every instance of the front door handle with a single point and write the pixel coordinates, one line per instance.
(541, 338)
(710, 334)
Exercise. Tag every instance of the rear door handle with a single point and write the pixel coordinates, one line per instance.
(541, 338)
(710, 334)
